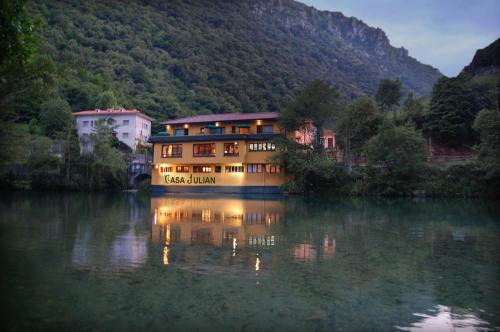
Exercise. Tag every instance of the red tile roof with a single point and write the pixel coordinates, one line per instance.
(115, 111)
(224, 117)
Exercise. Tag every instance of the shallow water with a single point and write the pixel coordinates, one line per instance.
(106, 262)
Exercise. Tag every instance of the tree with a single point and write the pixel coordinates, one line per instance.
(355, 126)
(388, 93)
(451, 113)
(55, 117)
(401, 150)
(413, 110)
(17, 34)
(108, 169)
(316, 105)
(487, 124)
(106, 99)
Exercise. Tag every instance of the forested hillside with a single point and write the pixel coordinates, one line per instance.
(175, 58)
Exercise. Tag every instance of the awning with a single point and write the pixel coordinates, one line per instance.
(163, 133)
(211, 126)
(244, 126)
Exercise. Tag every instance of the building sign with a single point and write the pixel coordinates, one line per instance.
(170, 179)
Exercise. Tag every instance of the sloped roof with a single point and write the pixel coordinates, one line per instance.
(224, 117)
(113, 111)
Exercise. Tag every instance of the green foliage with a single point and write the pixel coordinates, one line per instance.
(106, 99)
(487, 124)
(388, 93)
(413, 111)
(309, 170)
(356, 125)
(17, 37)
(400, 149)
(55, 117)
(451, 113)
(317, 104)
(108, 169)
(180, 58)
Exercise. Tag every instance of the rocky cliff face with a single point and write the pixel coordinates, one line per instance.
(182, 57)
(351, 44)
(485, 61)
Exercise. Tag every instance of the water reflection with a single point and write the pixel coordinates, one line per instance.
(241, 228)
(231, 263)
(442, 319)
(119, 244)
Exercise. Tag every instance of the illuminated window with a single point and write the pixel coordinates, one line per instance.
(243, 130)
(235, 169)
(266, 146)
(182, 169)
(167, 169)
(273, 168)
(255, 168)
(202, 169)
(171, 151)
(231, 149)
(204, 150)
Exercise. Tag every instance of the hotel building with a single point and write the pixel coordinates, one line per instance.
(229, 153)
(132, 127)
(223, 153)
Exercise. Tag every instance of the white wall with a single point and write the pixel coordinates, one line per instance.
(136, 130)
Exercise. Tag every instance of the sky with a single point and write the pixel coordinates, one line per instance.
(442, 33)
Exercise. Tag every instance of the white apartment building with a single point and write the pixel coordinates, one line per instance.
(129, 126)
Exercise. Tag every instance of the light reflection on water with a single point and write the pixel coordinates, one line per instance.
(232, 263)
(443, 320)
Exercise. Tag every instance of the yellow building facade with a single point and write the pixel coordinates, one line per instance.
(220, 153)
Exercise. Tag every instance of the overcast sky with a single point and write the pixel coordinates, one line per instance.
(442, 33)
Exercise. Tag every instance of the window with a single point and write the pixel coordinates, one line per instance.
(125, 122)
(262, 146)
(234, 169)
(330, 143)
(181, 132)
(273, 168)
(267, 129)
(85, 123)
(92, 123)
(171, 151)
(233, 129)
(204, 150)
(218, 168)
(218, 130)
(231, 149)
(254, 168)
(243, 130)
(124, 135)
(202, 169)
(167, 169)
(182, 169)
(145, 125)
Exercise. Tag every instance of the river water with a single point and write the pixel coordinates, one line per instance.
(128, 262)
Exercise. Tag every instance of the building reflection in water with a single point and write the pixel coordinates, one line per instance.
(120, 244)
(232, 223)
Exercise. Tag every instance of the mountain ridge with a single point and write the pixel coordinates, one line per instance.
(181, 58)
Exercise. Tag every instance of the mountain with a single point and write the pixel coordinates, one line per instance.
(485, 61)
(184, 57)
